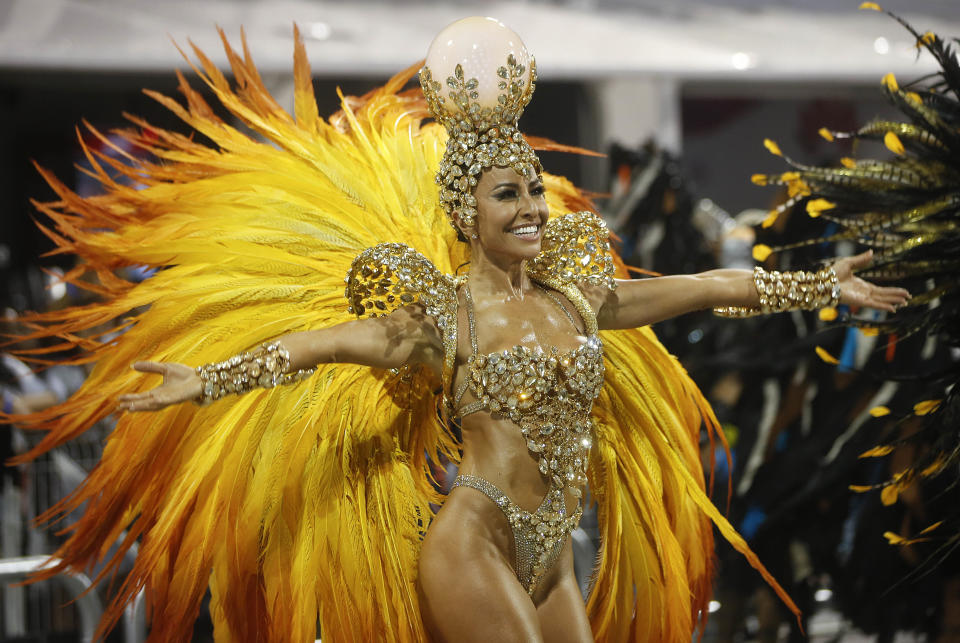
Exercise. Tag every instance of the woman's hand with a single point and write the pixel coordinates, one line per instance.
(855, 291)
(180, 384)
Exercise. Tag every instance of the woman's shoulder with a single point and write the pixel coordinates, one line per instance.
(575, 251)
(388, 276)
(575, 258)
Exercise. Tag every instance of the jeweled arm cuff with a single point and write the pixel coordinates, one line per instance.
(265, 366)
(782, 291)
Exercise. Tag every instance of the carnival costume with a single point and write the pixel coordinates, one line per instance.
(309, 501)
(548, 394)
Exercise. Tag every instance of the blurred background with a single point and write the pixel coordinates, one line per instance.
(680, 96)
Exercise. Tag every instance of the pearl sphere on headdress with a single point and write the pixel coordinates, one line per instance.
(480, 46)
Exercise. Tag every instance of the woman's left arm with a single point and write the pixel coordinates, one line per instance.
(639, 302)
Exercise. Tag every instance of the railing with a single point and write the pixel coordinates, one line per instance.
(88, 606)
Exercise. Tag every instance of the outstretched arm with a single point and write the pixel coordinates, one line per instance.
(640, 302)
(406, 336)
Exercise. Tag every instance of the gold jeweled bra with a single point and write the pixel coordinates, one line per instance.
(549, 395)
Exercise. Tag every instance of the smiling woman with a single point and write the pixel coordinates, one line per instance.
(515, 210)
(314, 501)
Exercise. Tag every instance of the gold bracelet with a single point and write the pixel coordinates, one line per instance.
(265, 366)
(782, 291)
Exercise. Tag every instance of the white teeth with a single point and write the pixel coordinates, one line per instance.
(527, 229)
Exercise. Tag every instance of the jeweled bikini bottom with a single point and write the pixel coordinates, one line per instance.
(538, 537)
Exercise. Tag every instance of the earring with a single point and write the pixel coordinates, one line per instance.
(474, 235)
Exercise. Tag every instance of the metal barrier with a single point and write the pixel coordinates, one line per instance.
(88, 605)
(135, 620)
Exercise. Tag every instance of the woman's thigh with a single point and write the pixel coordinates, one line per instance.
(468, 590)
(560, 606)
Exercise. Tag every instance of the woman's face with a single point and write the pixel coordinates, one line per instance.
(511, 212)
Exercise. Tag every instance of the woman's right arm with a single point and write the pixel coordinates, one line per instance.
(406, 336)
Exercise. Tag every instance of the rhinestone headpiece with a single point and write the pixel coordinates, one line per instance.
(489, 79)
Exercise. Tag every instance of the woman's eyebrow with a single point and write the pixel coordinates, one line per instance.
(511, 184)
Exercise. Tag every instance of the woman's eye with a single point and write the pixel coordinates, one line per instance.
(505, 195)
(538, 191)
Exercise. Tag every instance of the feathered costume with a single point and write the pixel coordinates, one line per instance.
(309, 501)
(906, 208)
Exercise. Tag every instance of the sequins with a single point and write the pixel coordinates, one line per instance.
(390, 275)
(263, 367)
(782, 291)
(463, 109)
(548, 394)
(538, 536)
(575, 248)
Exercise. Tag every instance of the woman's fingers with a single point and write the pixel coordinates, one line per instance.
(899, 293)
(176, 387)
(180, 384)
(848, 265)
(141, 402)
(895, 296)
(142, 406)
(861, 260)
(150, 367)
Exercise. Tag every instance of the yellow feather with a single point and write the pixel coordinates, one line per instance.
(935, 467)
(772, 147)
(761, 252)
(927, 406)
(816, 206)
(889, 494)
(890, 82)
(825, 356)
(931, 528)
(893, 143)
(877, 452)
(797, 188)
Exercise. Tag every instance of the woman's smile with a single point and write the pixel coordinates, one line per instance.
(527, 232)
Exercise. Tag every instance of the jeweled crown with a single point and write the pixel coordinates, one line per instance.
(489, 79)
